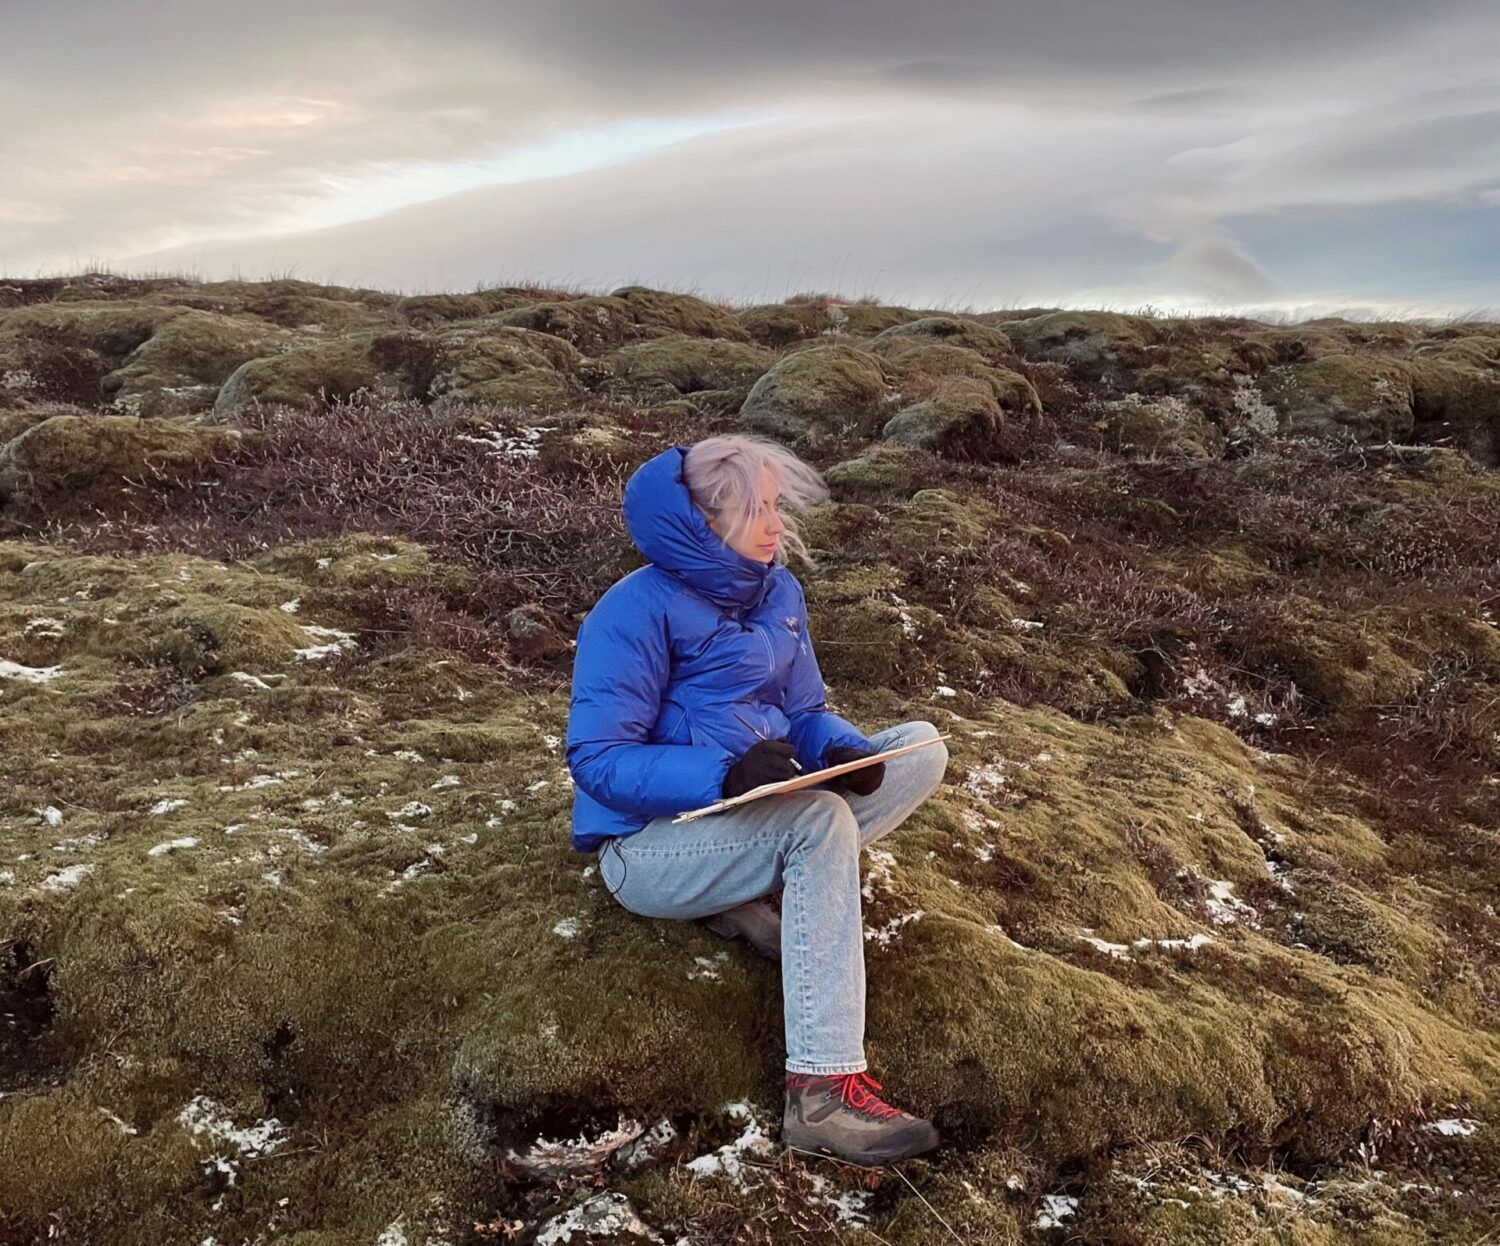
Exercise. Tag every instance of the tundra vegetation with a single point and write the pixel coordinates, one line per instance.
(1196, 943)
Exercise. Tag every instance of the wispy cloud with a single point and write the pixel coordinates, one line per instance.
(958, 152)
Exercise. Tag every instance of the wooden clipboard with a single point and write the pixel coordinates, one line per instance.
(811, 779)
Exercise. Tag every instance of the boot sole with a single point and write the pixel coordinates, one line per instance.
(864, 1161)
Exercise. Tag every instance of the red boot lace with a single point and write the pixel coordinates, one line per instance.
(857, 1090)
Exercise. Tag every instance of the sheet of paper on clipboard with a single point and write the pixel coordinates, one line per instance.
(811, 779)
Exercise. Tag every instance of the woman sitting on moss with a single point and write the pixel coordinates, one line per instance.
(695, 679)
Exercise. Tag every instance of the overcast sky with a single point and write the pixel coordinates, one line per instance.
(1290, 155)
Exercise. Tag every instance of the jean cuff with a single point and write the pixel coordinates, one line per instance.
(825, 1070)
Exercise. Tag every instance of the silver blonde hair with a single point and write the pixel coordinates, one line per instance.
(723, 478)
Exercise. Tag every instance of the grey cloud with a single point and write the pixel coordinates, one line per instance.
(940, 147)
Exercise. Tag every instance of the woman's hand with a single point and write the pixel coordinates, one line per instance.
(770, 761)
(860, 782)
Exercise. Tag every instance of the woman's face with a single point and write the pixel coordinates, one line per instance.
(762, 537)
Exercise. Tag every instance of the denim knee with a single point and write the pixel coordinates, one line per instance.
(931, 763)
(826, 816)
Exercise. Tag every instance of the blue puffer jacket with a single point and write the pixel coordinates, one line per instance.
(682, 665)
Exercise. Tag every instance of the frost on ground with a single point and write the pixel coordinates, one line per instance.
(205, 1118)
(729, 1160)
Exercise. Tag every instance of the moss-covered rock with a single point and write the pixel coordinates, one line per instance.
(784, 324)
(962, 421)
(303, 306)
(181, 367)
(825, 388)
(74, 460)
(669, 366)
(1359, 396)
(938, 518)
(597, 325)
(881, 471)
(1136, 426)
(1459, 402)
(506, 367)
(64, 351)
(1090, 343)
(596, 444)
(984, 339)
(309, 375)
(428, 311)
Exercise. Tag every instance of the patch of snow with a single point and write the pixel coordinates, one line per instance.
(254, 681)
(394, 1234)
(943, 690)
(51, 815)
(1055, 1209)
(879, 873)
(1225, 908)
(203, 1117)
(567, 928)
(412, 809)
(1452, 1127)
(985, 781)
(537, 786)
(605, 1216)
(706, 968)
(46, 627)
(552, 742)
(260, 780)
(728, 1160)
(337, 642)
(171, 845)
(301, 839)
(892, 928)
(448, 780)
(1027, 625)
(62, 879)
(166, 806)
(522, 443)
(292, 606)
(28, 674)
(407, 754)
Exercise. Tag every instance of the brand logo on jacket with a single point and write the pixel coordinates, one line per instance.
(791, 623)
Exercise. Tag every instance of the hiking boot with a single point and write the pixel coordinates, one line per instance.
(755, 921)
(840, 1115)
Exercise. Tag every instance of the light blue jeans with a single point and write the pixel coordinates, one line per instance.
(807, 843)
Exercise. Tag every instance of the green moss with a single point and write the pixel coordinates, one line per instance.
(506, 367)
(1459, 402)
(597, 325)
(1361, 396)
(181, 367)
(977, 337)
(939, 519)
(687, 365)
(308, 375)
(1165, 427)
(882, 470)
(823, 389)
(435, 310)
(1091, 343)
(962, 422)
(74, 459)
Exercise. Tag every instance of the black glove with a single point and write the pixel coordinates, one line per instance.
(860, 782)
(770, 761)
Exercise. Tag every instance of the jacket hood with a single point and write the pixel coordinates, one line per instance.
(673, 534)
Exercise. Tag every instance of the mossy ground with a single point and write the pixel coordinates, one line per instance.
(1196, 943)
